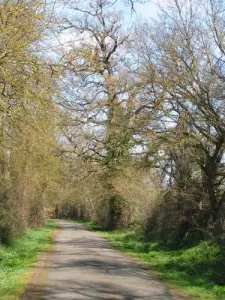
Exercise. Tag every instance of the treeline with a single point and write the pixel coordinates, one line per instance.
(28, 118)
(147, 131)
(116, 123)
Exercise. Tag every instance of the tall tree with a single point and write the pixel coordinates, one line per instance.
(27, 117)
(101, 86)
(185, 52)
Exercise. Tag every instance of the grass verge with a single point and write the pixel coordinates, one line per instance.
(17, 258)
(197, 271)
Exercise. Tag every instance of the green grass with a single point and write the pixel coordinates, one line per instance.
(198, 271)
(17, 258)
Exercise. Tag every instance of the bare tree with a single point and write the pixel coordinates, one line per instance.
(185, 52)
(101, 91)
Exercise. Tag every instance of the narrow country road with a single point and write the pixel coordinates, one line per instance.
(84, 266)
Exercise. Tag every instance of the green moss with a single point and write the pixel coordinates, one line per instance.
(18, 256)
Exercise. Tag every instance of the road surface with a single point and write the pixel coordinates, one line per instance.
(83, 265)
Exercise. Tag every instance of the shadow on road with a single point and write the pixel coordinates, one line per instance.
(91, 291)
(84, 266)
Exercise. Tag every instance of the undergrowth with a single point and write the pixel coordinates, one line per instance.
(17, 258)
(197, 271)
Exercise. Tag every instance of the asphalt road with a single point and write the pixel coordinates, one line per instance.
(83, 265)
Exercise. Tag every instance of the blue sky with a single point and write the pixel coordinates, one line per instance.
(147, 10)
